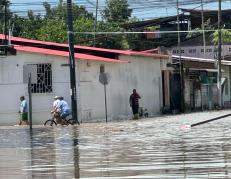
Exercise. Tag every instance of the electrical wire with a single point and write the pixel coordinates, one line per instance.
(149, 32)
(139, 7)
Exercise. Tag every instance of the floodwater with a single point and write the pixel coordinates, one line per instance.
(148, 148)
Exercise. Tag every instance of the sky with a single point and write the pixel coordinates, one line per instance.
(146, 12)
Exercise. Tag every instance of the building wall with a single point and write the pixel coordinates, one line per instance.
(210, 53)
(142, 73)
(12, 86)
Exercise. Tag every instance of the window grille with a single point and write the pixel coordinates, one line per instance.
(209, 50)
(44, 79)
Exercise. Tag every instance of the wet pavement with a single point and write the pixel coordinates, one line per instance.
(147, 148)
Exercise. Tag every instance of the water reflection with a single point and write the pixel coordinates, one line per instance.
(133, 149)
(58, 158)
(40, 153)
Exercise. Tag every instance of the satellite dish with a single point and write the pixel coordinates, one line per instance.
(104, 78)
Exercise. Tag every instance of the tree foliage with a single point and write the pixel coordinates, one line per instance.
(53, 25)
(110, 40)
(225, 36)
(3, 4)
(52, 30)
(26, 27)
(116, 11)
(198, 32)
(59, 12)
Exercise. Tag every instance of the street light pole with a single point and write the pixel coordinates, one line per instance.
(219, 57)
(72, 62)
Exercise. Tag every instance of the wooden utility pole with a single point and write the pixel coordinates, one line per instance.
(96, 19)
(5, 23)
(203, 27)
(219, 57)
(182, 101)
(72, 62)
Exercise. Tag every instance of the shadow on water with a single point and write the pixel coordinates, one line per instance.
(131, 149)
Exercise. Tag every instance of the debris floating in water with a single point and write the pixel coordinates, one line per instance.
(185, 126)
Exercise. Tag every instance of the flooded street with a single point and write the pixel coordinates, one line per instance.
(148, 148)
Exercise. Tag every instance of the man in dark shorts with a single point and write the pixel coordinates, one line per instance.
(134, 103)
(23, 111)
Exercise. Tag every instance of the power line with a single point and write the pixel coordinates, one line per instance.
(140, 8)
(150, 32)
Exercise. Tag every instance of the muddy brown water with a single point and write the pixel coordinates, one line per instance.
(148, 148)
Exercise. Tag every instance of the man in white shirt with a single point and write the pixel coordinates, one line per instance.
(56, 110)
(23, 111)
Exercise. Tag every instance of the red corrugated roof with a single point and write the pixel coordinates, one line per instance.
(65, 54)
(124, 52)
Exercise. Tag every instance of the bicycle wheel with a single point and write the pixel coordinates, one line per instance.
(70, 121)
(50, 122)
(64, 122)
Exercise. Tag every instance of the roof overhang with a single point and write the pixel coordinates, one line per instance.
(205, 69)
(103, 52)
(202, 60)
(66, 54)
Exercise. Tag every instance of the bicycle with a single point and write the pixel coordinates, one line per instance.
(65, 121)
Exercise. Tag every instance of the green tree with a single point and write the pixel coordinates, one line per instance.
(101, 40)
(207, 26)
(116, 11)
(27, 27)
(80, 27)
(3, 4)
(53, 31)
(51, 27)
(115, 14)
(110, 40)
(225, 37)
(59, 11)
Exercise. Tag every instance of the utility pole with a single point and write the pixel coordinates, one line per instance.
(96, 19)
(72, 62)
(219, 56)
(5, 23)
(180, 62)
(203, 26)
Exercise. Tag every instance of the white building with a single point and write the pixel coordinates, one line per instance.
(127, 70)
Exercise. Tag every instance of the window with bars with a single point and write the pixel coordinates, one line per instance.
(44, 79)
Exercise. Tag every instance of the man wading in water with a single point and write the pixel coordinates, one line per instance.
(23, 111)
(134, 103)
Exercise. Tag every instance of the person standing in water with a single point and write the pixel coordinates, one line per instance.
(134, 103)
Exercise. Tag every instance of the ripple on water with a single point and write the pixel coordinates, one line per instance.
(150, 148)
